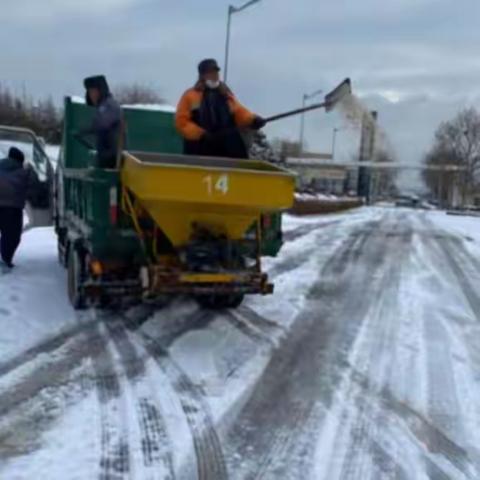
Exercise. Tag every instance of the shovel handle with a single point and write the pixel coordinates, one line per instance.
(291, 113)
(336, 95)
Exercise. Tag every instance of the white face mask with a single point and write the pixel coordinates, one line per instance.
(212, 83)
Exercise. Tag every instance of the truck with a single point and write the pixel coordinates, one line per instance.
(162, 223)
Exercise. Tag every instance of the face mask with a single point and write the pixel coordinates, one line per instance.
(212, 83)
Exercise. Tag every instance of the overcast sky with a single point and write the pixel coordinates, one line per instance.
(416, 61)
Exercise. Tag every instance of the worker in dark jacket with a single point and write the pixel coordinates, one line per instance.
(209, 117)
(107, 125)
(16, 185)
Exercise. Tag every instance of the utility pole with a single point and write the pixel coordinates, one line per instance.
(334, 138)
(367, 149)
(231, 11)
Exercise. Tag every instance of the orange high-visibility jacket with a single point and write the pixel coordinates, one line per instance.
(191, 101)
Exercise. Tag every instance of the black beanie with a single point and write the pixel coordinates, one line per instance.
(16, 154)
(208, 65)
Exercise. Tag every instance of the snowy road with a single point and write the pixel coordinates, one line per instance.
(363, 365)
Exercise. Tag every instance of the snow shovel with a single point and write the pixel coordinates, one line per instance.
(343, 90)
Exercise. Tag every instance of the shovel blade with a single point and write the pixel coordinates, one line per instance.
(343, 90)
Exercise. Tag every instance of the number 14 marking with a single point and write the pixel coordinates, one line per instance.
(221, 185)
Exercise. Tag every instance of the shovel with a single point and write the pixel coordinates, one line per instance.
(343, 90)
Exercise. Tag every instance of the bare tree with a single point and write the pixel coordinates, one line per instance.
(22, 111)
(137, 94)
(456, 142)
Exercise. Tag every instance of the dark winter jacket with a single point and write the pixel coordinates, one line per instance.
(16, 183)
(217, 112)
(107, 125)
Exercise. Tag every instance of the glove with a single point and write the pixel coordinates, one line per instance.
(258, 123)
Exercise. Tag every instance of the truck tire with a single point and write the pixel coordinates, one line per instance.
(220, 302)
(62, 255)
(76, 276)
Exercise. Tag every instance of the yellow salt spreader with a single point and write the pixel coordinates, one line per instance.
(196, 217)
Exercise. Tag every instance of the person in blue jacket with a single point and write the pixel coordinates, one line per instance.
(17, 183)
(107, 126)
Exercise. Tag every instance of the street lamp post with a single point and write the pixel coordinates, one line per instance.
(231, 11)
(302, 118)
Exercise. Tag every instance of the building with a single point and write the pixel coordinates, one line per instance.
(316, 172)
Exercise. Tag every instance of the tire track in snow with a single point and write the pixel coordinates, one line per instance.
(291, 263)
(270, 420)
(303, 230)
(376, 405)
(402, 425)
(459, 260)
(114, 461)
(251, 326)
(257, 328)
(443, 402)
(49, 346)
(34, 394)
(147, 430)
(444, 406)
(208, 449)
(365, 454)
(50, 372)
(374, 418)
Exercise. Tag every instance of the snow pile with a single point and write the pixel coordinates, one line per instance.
(324, 197)
(77, 99)
(155, 107)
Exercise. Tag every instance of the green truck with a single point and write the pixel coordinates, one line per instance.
(100, 241)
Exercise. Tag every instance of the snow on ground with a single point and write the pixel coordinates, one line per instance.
(33, 300)
(464, 225)
(362, 365)
(53, 152)
(71, 448)
(158, 107)
(324, 197)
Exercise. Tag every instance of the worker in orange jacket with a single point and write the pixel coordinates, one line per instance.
(209, 117)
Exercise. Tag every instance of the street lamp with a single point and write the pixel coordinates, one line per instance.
(302, 118)
(231, 11)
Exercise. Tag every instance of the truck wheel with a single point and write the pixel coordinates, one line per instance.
(220, 302)
(76, 276)
(234, 300)
(61, 254)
